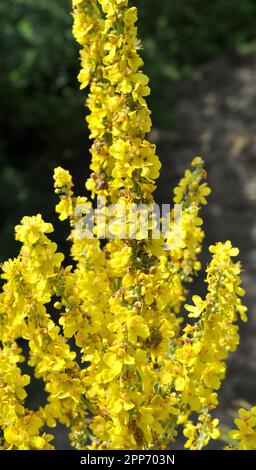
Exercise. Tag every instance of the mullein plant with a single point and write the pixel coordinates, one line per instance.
(144, 374)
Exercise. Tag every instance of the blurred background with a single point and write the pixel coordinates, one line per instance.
(201, 59)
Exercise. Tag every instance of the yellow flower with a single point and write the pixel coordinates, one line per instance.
(31, 229)
(62, 178)
(136, 327)
(65, 208)
(245, 435)
(198, 436)
(115, 366)
(197, 309)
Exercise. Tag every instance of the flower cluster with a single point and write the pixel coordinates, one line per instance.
(142, 373)
(122, 159)
(245, 435)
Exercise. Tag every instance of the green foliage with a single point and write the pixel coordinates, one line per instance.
(39, 102)
(180, 35)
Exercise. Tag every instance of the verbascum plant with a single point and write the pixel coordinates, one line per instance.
(143, 374)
